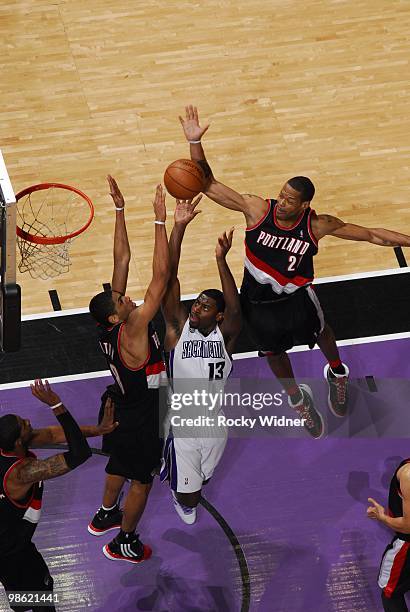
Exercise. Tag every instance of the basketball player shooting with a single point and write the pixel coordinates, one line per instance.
(200, 345)
(132, 350)
(22, 567)
(394, 574)
(278, 302)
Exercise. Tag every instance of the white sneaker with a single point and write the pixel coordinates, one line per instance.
(187, 514)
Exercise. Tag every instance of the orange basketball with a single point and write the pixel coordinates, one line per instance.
(184, 179)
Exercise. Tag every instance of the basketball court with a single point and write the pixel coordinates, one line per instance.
(289, 88)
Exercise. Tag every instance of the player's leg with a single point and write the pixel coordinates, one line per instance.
(136, 458)
(275, 328)
(336, 372)
(185, 476)
(300, 397)
(134, 505)
(191, 500)
(109, 515)
(127, 546)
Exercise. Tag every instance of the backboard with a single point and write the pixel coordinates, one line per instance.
(10, 308)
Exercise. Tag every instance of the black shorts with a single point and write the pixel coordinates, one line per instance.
(25, 571)
(394, 574)
(277, 326)
(135, 448)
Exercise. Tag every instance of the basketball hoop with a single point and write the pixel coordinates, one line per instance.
(49, 217)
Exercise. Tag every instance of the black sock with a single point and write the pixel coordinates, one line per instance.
(296, 397)
(339, 370)
(126, 536)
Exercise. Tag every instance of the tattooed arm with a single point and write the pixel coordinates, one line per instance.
(31, 470)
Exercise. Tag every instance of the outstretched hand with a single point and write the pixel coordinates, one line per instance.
(44, 392)
(108, 424)
(159, 204)
(224, 244)
(185, 211)
(190, 125)
(375, 511)
(115, 192)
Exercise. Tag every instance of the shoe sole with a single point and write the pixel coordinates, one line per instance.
(329, 401)
(114, 557)
(309, 391)
(102, 531)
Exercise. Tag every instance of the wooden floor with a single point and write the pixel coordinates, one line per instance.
(319, 88)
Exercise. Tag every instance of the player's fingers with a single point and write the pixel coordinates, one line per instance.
(205, 128)
(181, 120)
(196, 202)
(196, 114)
(372, 501)
(197, 212)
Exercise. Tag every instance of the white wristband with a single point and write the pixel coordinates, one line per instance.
(159, 222)
(119, 208)
(194, 141)
(56, 405)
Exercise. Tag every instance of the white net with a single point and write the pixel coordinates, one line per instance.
(49, 213)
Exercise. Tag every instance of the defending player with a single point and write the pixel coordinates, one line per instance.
(133, 354)
(277, 299)
(22, 567)
(200, 345)
(394, 575)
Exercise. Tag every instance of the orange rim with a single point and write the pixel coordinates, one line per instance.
(53, 239)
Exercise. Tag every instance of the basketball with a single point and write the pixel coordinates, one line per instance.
(184, 179)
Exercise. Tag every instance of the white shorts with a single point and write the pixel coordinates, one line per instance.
(188, 462)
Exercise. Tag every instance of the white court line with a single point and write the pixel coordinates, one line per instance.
(192, 296)
(236, 356)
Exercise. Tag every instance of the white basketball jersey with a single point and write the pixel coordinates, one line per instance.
(200, 357)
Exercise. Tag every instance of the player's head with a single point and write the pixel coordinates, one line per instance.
(109, 308)
(294, 197)
(207, 310)
(15, 432)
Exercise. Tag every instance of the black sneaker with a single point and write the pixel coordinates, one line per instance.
(337, 397)
(133, 551)
(105, 520)
(306, 410)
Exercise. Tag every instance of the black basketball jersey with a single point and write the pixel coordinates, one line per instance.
(135, 388)
(396, 501)
(18, 520)
(278, 260)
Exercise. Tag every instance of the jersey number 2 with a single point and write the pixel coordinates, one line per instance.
(216, 370)
(293, 263)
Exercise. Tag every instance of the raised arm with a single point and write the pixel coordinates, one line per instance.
(138, 320)
(232, 322)
(54, 434)
(174, 313)
(400, 524)
(253, 207)
(32, 470)
(122, 252)
(326, 225)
